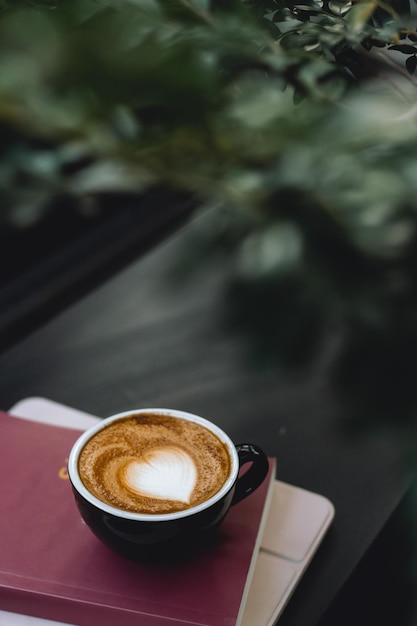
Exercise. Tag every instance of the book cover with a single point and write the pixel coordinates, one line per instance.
(52, 566)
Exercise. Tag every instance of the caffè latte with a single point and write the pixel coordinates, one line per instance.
(154, 463)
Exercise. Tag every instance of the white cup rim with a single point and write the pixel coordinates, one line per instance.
(120, 513)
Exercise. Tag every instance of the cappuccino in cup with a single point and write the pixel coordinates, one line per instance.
(155, 484)
(154, 463)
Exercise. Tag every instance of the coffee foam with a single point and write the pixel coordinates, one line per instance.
(153, 463)
(164, 473)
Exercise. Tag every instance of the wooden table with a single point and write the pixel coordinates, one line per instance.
(138, 341)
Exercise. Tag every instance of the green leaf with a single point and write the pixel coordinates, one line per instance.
(411, 64)
(360, 14)
(404, 48)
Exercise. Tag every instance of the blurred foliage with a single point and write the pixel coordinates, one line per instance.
(286, 119)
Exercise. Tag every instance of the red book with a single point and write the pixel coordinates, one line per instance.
(52, 566)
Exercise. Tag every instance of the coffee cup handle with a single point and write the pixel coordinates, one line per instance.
(255, 475)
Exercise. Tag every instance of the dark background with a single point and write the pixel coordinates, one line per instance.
(63, 288)
(60, 257)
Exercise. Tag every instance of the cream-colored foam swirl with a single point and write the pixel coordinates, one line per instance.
(151, 463)
(164, 473)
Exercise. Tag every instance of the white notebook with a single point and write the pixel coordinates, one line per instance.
(297, 522)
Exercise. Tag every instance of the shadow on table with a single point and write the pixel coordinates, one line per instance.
(50, 265)
(382, 589)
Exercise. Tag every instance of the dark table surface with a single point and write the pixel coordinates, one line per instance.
(138, 341)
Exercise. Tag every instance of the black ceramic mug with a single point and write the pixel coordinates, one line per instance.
(155, 483)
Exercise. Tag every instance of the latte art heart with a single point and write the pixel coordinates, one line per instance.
(154, 464)
(167, 474)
